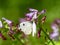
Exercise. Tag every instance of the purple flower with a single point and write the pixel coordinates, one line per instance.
(8, 21)
(29, 16)
(42, 12)
(55, 31)
(33, 10)
(35, 15)
(55, 27)
(54, 35)
(32, 15)
(57, 21)
(1, 24)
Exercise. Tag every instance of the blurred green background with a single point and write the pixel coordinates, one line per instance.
(15, 9)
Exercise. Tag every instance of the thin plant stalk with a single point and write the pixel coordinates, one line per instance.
(48, 36)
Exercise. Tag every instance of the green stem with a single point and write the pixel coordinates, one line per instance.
(48, 36)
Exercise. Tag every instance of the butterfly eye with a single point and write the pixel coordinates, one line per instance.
(23, 24)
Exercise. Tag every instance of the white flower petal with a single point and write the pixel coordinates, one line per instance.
(35, 15)
(34, 29)
(33, 10)
(1, 24)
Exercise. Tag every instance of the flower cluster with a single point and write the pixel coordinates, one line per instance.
(55, 27)
(27, 25)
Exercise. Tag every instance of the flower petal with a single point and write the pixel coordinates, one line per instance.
(55, 31)
(57, 21)
(53, 35)
(54, 27)
(30, 15)
(8, 21)
(28, 19)
(35, 15)
(1, 24)
(34, 10)
(22, 20)
(42, 12)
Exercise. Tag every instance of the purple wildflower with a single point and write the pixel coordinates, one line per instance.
(55, 27)
(35, 15)
(42, 12)
(8, 21)
(55, 31)
(57, 21)
(29, 15)
(32, 15)
(54, 35)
